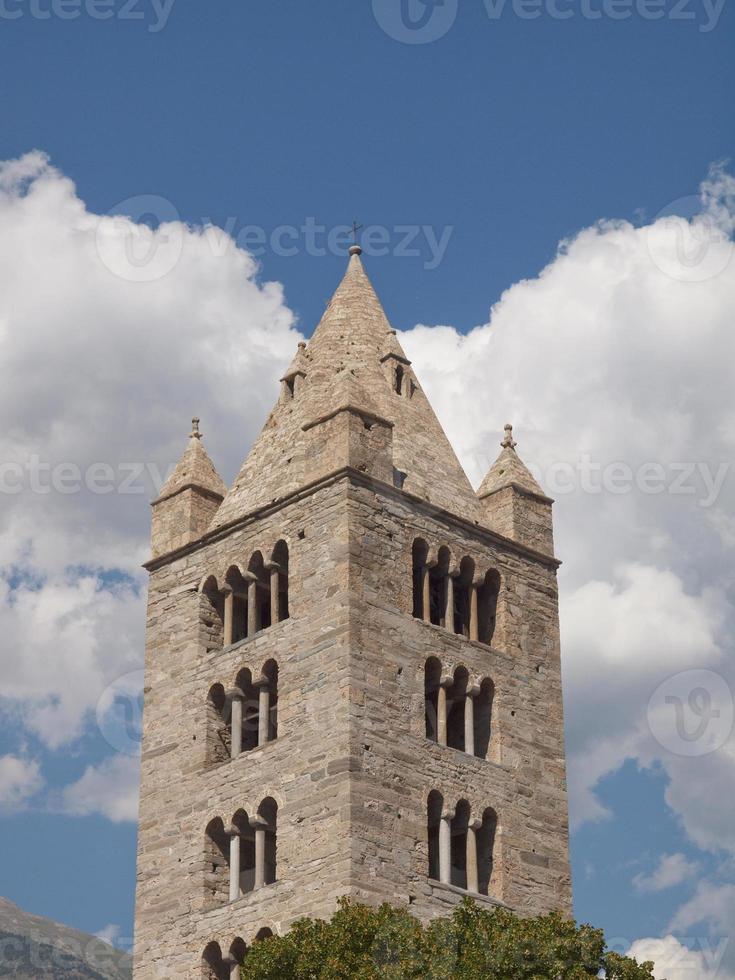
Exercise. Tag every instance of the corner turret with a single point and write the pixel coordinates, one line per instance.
(512, 501)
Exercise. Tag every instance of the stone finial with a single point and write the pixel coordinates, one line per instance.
(508, 442)
(195, 433)
(355, 249)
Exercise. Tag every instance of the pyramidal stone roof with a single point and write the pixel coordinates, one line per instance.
(509, 470)
(194, 469)
(350, 362)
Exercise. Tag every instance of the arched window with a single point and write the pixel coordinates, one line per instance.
(264, 933)
(216, 863)
(420, 553)
(462, 592)
(432, 677)
(486, 837)
(242, 872)
(268, 812)
(238, 952)
(456, 702)
(487, 602)
(460, 824)
(259, 595)
(214, 966)
(484, 719)
(268, 703)
(218, 730)
(211, 614)
(434, 810)
(438, 588)
(249, 711)
(235, 599)
(279, 583)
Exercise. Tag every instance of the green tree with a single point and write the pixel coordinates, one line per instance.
(361, 943)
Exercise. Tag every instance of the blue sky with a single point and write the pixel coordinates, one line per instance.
(503, 137)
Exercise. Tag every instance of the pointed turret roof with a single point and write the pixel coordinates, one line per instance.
(349, 362)
(508, 469)
(194, 469)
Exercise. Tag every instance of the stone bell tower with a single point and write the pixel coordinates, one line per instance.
(352, 669)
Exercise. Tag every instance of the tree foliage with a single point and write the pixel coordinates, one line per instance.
(361, 943)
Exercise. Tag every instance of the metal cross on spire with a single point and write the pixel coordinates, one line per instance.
(355, 248)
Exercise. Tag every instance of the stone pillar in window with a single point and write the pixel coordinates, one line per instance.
(236, 701)
(469, 718)
(441, 710)
(259, 825)
(275, 572)
(449, 600)
(253, 624)
(445, 847)
(474, 614)
(229, 615)
(234, 863)
(473, 877)
(264, 708)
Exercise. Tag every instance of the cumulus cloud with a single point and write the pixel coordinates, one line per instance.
(20, 780)
(672, 870)
(675, 961)
(109, 789)
(112, 335)
(615, 365)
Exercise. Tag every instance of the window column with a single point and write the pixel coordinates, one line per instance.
(234, 863)
(264, 708)
(259, 825)
(449, 601)
(474, 614)
(275, 572)
(237, 697)
(253, 624)
(469, 718)
(229, 615)
(445, 847)
(441, 710)
(473, 878)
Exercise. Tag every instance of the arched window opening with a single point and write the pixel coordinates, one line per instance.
(420, 553)
(279, 583)
(432, 677)
(438, 588)
(268, 703)
(242, 869)
(259, 595)
(486, 839)
(249, 710)
(462, 597)
(264, 933)
(484, 719)
(212, 614)
(238, 952)
(456, 699)
(487, 606)
(216, 863)
(398, 379)
(460, 825)
(236, 602)
(219, 738)
(434, 809)
(268, 813)
(214, 966)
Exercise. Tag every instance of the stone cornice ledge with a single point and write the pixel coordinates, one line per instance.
(438, 886)
(365, 481)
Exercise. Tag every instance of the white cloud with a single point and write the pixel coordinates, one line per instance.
(676, 961)
(109, 789)
(672, 870)
(20, 780)
(615, 365)
(101, 376)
